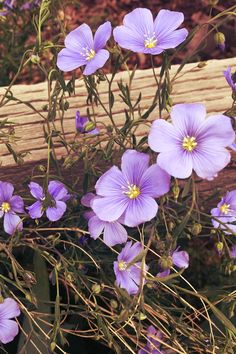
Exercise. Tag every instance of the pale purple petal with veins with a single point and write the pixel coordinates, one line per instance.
(17, 204)
(6, 191)
(102, 35)
(8, 328)
(133, 166)
(68, 60)
(35, 210)
(55, 213)
(140, 210)
(36, 190)
(114, 234)
(109, 208)
(155, 182)
(180, 259)
(11, 223)
(96, 227)
(58, 191)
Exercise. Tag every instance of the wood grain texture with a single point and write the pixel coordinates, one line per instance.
(206, 85)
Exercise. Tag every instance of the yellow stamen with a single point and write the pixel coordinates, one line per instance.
(225, 208)
(122, 265)
(150, 42)
(133, 191)
(90, 54)
(5, 207)
(189, 143)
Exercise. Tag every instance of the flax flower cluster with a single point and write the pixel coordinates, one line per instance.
(187, 143)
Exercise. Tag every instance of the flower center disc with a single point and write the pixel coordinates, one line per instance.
(225, 208)
(90, 54)
(5, 207)
(122, 265)
(150, 42)
(189, 143)
(133, 191)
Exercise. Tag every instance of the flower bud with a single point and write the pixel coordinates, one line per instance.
(35, 59)
(171, 225)
(219, 246)
(114, 304)
(96, 288)
(141, 316)
(176, 191)
(166, 262)
(219, 39)
(53, 346)
(196, 229)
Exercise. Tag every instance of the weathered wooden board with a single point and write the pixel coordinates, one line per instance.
(193, 84)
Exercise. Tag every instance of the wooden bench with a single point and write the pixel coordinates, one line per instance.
(193, 84)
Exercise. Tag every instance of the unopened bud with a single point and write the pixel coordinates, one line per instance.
(53, 346)
(141, 316)
(35, 59)
(196, 229)
(176, 191)
(171, 225)
(166, 262)
(114, 304)
(96, 288)
(219, 39)
(219, 246)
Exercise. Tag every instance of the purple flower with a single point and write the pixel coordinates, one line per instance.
(84, 126)
(7, 6)
(233, 252)
(8, 328)
(10, 205)
(143, 35)
(192, 142)
(153, 342)
(178, 258)
(226, 212)
(113, 232)
(230, 78)
(53, 202)
(29, 5)
(83, 49)
(129, 277)
(130, 192)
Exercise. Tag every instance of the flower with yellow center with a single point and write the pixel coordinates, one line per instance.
(225, 208)
(133, 191)
(189, 143)
(122, 265)
(5, 207)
